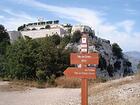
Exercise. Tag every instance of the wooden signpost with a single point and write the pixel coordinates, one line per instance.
(83, 59)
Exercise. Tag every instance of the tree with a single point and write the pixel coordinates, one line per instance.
(138, 66)
(21, 28)
(65, 40)
(76, 37)
(41, 75)
(34, 29)
(34, 59)
(47, 26)
(21, 59)
(56, 39)
(117, 51)
(102, 63)
(52, 58)
(4, 40)
(127, 70)
(128, 63)
(110, 70)
(117, 65)
(4, 43)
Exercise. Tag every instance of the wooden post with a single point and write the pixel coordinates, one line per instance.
(84, 92)
(84, 83)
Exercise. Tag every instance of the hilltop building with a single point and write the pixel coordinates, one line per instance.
(43, 29)
(47, 28)
(81, 28)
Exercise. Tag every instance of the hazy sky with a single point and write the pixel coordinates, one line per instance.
(116, 20)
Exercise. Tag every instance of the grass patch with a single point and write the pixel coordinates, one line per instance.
(100, 87)
(65, 82)
(68, 82)
(5, 79)
(0, 79)
(97, 80)
(137, 76)
(24, 83)
(37, 84)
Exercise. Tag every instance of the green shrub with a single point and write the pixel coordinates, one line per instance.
(76, 37)
(41, 78)
(102, 63)
(117, 51)
(41, 75)
(51, 80)
(110, 70)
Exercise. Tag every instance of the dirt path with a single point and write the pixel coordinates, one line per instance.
(124, 91)
(49, 96)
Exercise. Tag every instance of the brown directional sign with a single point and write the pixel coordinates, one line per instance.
(84, 72)
(86, 58)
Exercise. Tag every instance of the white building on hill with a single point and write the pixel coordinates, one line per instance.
(43, 29)
(81, 28)
(44, 32)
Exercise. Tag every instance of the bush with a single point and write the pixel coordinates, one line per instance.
(138, 67)
(41, 75)
(110, 70)
(47, 27)
(76, 37)
(117, 51)
(34, 29)
(21, 28)
(102, 63)
(41, 78)
(55, 39)
(64, 41)
(117, 65)
(51, 80)
(4, 40)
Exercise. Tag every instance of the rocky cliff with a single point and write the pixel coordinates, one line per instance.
(110, 65)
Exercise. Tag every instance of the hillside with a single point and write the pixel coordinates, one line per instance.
(133, 54)
(124, 91)
(134, 58)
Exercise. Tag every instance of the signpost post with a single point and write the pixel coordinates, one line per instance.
(83, 59)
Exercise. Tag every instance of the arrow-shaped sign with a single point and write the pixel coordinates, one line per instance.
(85, 72)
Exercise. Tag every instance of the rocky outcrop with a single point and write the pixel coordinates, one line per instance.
(110, 66)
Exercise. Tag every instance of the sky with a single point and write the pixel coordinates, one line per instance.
(114, 20)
